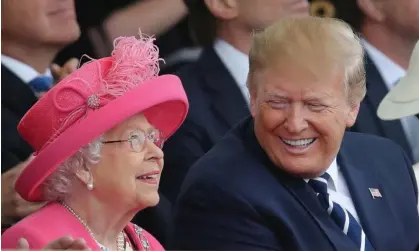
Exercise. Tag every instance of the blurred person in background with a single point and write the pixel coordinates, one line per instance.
(32, 34)
(101, 21)
(389, 30)
(97, 137)
(216, 82)
(403, 100)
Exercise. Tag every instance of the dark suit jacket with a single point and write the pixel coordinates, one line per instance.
(16, 99)
(216, 105)
(234, 198)
(368, 121)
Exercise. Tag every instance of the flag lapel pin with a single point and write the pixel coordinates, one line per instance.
(375, 193)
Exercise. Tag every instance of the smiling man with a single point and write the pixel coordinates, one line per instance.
(290, 177)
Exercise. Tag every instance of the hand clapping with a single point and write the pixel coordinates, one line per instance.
(63, 243)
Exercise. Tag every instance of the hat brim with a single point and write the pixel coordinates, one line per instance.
(401, 101)
(390, 110)
(162, 100)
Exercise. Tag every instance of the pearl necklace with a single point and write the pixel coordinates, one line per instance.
(120, 241)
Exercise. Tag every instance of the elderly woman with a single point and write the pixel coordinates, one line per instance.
(98, 137)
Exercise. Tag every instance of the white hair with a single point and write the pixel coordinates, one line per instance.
(57, 187)
(315, 45)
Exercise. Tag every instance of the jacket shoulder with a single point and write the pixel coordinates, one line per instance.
(190, 76)
(375, 151)
(369, 142)
(228, 157)
(47, 224)
(32, 228)
(193, 81)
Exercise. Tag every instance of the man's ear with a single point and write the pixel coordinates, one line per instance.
(253, 101)
(223, 9)
(372, 9)
(352, 115)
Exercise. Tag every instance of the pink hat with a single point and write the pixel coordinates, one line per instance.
(92, 100)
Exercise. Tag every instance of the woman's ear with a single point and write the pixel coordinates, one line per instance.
(86, 177)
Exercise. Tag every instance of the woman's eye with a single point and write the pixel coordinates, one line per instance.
(152, 138)
(135, 135)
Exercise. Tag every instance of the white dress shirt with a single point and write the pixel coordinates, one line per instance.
(236, 62)
(391, 74)
(338, 189)
(416, 170)
(25, 72)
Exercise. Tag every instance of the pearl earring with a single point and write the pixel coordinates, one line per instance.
(90, 186)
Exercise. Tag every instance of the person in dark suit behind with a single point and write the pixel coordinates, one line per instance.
(32, 34)
(290, 177)
(389, 32)
(403, 99)
(216, 83)
(102, 21)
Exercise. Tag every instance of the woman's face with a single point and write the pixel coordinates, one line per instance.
(128, 173)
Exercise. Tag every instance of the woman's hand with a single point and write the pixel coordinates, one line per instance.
(63, 243)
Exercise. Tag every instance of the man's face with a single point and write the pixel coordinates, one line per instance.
(258, 14)
(402, 16)
(300, 121)
(39, 22)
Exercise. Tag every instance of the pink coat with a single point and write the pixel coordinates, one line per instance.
(54, 221)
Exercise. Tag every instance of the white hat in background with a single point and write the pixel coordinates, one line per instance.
(403, 99)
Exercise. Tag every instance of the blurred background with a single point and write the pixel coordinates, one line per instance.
(179, 37)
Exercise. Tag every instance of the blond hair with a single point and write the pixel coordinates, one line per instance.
(317, 45)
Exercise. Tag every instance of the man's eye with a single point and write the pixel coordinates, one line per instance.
(278, 104)
(316, 107)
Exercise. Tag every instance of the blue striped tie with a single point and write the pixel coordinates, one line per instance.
(41, 83)
(341, 216)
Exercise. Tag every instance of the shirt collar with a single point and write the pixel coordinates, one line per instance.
(236, 62)
(389, 70)
(25, 72)
(333, 172)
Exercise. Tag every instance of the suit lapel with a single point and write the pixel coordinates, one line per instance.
(16, 95)
(308, 199)
(226, 98)
(305, 196)
(374, 213)
(376, 91)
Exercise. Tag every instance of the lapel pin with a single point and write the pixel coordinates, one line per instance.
(375, 193)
